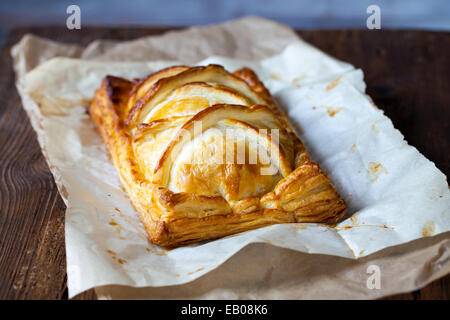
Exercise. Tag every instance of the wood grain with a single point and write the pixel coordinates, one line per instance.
(406, 73)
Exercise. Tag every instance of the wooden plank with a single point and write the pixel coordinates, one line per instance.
(32, 258)
(406, 74)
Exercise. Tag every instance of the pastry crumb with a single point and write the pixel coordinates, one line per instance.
(375, 170)
(429, 229)
(333, 84)
(275, 76)
(333, 111)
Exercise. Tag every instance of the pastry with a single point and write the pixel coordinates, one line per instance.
(204, 153)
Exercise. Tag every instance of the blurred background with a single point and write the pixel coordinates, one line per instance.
(302, 14)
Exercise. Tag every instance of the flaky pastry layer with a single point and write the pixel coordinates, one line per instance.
(139, 122)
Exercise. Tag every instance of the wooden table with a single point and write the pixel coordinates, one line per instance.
(406, 73)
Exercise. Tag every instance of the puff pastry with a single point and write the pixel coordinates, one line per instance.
(204, 153)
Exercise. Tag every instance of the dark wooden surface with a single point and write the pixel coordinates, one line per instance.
(406, 73)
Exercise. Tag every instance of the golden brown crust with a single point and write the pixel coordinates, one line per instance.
(147, 82)
(194, 74)
(304, 194)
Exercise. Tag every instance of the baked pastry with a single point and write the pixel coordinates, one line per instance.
(204, 153)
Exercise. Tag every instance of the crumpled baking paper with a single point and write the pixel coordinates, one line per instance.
(395, 195)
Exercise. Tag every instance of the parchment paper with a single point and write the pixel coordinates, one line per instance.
(395, 195)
